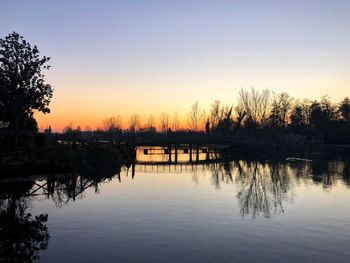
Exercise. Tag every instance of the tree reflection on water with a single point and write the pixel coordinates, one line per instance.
(264, 187)
(22, 235)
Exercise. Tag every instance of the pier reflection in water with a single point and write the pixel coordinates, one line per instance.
(181, 153)
(165, 208)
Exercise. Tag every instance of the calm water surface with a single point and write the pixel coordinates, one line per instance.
(245, 211)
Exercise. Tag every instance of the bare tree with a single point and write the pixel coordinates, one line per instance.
(195, 117)
(68, 128)
(329, 108)
(225, 121)
(306, 111)
(111, 124)
(150, 123)
(286, 106)
(240, 115)
(164, 121)
(280, 110)
(175, 122)
(216, 114)
(202, 119)
(263, 189)
(134, 122)
(275, 114)
(255, 104)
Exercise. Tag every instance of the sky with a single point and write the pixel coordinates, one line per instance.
(113, 58)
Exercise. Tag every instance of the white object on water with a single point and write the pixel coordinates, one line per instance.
(295, 159)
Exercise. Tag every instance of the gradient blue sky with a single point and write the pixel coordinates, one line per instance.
(123, 57)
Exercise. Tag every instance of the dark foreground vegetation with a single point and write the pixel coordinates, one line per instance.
(42, 154)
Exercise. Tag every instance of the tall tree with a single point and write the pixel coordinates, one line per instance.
(164, 121)
(296, 118)
(225, 122)
(306, 108)
(344, 109)
(150, 123)
(112, 124)
(240, 115)
(195, 117)
(255, 104)
(286, 106)
(280, 109)
(134, 122)
(216, 114)
(328, 108)
(175, 122)
(318, 117)
(22, 86)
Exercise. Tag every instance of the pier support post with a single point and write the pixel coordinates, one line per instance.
(169, 152)
(175, 153)
(133, 170)
(190, 146)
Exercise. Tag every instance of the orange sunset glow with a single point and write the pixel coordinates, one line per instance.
(166, 57)
(88, 102)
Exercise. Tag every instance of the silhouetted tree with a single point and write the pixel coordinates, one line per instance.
(68, 128)
(134, 123)
(275, 115)
(328, 108)
(286, 105)
(207, 127)
(22, 86)
(306, 108)
(296, 118)
(112, 124)
(280, 108)
(175, 122)
(225, 123)
(164, 121)
(256, 106)
(150, 126)
(318, 117)
(216, 114)
(322, 113)
(194, 117)
(344, 109)
(240, 115)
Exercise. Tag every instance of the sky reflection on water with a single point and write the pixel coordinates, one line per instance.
(238, 210)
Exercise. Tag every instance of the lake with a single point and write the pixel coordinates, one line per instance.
(226, 211)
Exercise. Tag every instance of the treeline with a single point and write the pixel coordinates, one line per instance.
(255, 110)
(319, 119)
